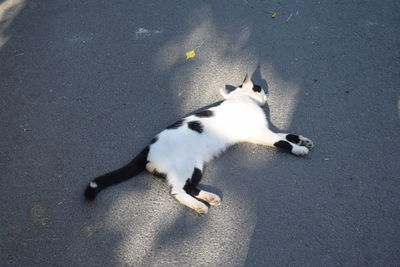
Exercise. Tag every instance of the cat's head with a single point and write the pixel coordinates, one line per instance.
(247, 88)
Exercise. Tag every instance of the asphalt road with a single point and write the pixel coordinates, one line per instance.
(84, 85)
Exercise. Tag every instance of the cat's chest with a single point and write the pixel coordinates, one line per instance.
(235, 122)
(239, 114)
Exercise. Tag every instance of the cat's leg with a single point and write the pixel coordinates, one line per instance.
(191, 188)
(178, 190)
(265, 136)
(297, 139)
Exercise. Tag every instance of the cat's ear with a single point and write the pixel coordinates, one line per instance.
(247, 83)
(224, 93)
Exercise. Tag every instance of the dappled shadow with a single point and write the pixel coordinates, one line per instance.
(86, 94)
(9, 10)
(172, 239)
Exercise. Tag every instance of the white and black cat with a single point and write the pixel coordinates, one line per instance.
(179, 152)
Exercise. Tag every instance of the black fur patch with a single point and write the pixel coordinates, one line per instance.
(196, 176)
(133, 168)
(191, 189)
(195, 126)
(153, 140)
(256, 88)
(284, 145)
(175, 125)
(293, 138)
(205, 114)
(191, 184)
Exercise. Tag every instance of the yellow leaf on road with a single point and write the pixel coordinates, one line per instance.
(190, 54)
(273, 14)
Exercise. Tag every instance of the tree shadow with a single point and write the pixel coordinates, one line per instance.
(68, 102)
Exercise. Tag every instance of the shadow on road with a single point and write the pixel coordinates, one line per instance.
(85, 86)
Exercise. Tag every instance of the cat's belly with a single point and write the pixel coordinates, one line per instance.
(181, 150)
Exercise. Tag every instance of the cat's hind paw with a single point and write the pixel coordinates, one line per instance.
(304, 141)
(201, 208)
(190, 202)
(215, 201)
(210, 198)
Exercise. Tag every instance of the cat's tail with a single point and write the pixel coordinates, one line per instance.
(133, 168)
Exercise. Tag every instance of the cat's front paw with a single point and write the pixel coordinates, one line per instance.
(304, 141)
(300, 150)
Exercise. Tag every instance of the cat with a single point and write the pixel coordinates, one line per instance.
(179, 152)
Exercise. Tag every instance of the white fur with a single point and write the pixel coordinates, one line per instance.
(238, 119)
